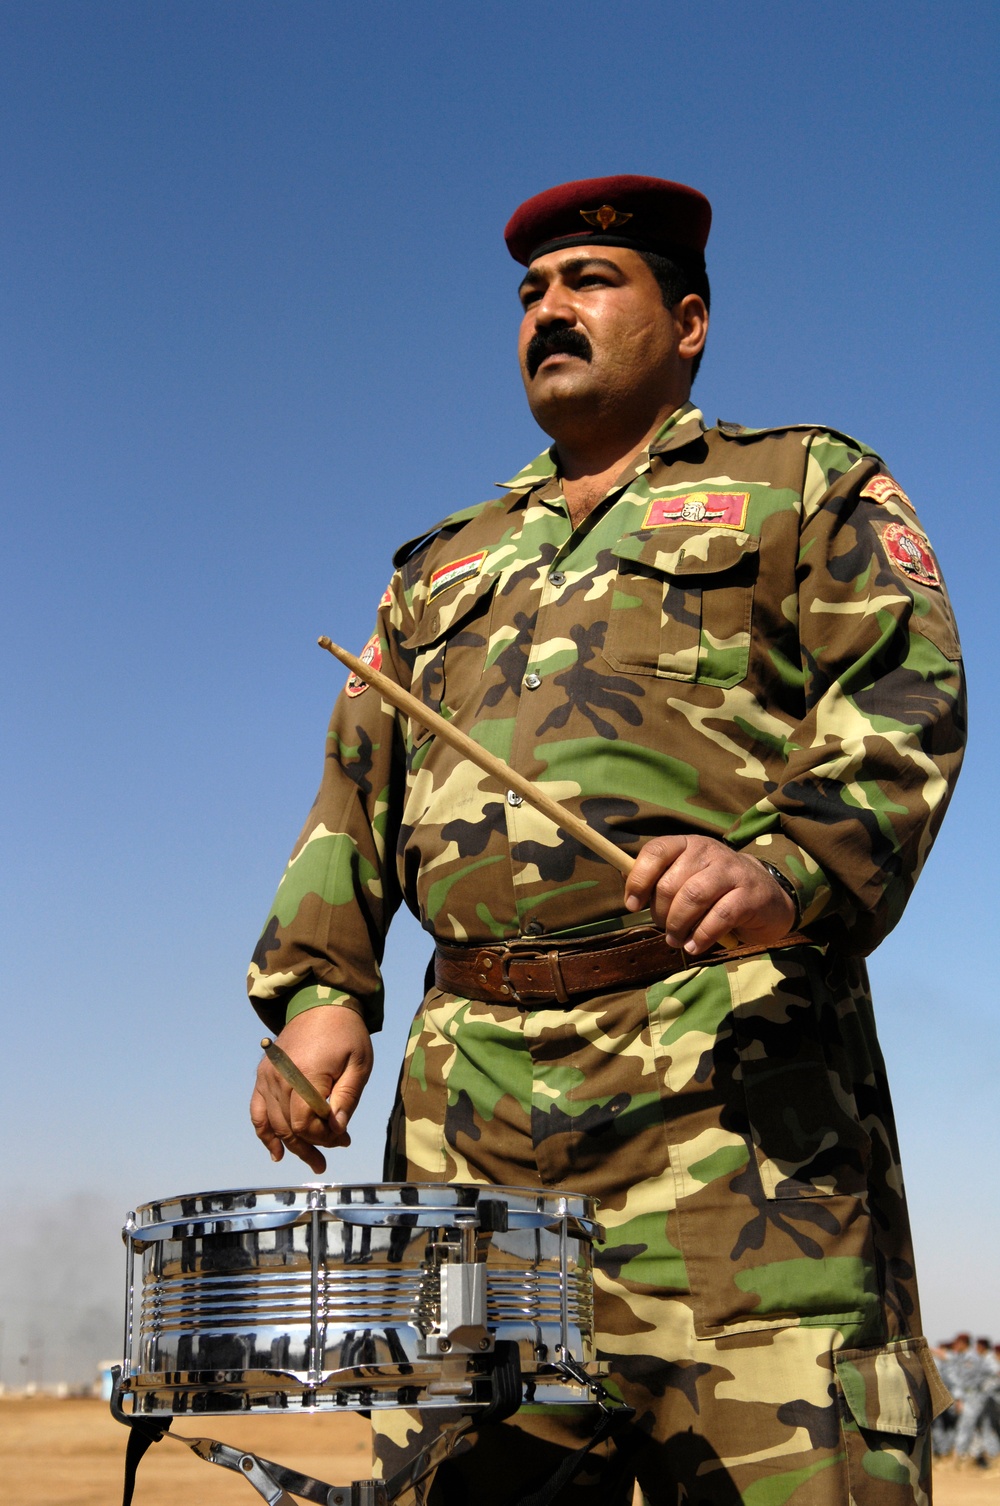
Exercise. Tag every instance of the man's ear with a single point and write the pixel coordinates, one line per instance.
(692, 322)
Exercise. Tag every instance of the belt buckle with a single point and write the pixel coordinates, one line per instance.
(506, 981)
(550, 956)
(486, 962)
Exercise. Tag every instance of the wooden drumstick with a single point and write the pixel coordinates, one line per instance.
(296, 1079)
(508, 777)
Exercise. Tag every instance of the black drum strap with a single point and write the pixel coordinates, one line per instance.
(612, 1422)
(140, 1436)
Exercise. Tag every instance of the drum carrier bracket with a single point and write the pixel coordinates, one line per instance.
(274, 1481)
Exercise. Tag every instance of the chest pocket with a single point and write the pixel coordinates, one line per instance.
(682, 604)
(449, 647)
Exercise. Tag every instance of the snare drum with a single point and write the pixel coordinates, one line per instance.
(327, 1297)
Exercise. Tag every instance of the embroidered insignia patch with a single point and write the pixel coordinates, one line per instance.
(882, 489)
(371, 655)
(386, 600)
(456, 572)
(716, 509)
(908, 553)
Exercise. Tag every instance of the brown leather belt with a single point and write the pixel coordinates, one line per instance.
(527, 973)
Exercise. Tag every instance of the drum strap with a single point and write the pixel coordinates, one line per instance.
(141, 1435)
(614, 1419)
(612, 1422)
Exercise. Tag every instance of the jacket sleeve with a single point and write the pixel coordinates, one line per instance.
(871, 766)
(325, 934)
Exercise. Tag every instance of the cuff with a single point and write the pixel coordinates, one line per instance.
(316, 995)
(812, 887)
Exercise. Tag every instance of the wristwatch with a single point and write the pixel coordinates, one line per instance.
(783, 883)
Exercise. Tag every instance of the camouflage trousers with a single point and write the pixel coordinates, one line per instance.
(755, 1295)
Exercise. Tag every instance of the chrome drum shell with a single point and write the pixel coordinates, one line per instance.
(326, 1297)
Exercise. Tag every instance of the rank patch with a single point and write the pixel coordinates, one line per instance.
(709, 509)
(371, 655)
(386, 599)
(882, 489)
(908, 553)
(456, 572)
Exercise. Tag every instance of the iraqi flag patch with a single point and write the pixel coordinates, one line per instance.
(883, 489)
(704, 509)
(908, 553)
(454, 573)
(371, 655)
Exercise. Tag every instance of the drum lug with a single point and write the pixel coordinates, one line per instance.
(461, 1326)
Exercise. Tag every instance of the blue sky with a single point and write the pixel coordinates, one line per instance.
(257, 324)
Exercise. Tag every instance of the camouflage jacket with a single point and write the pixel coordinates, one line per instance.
(748, 638)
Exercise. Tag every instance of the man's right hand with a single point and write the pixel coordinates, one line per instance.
(331, 1045)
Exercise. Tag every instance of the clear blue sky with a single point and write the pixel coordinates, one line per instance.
(258, 327)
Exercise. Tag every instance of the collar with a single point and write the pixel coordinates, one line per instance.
(684, 425)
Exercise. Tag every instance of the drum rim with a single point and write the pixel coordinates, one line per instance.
(579, 1201)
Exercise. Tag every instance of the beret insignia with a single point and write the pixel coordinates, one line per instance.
(910, 556)
(605, 218)
(371, 655)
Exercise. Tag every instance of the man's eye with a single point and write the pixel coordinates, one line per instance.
(529, 296)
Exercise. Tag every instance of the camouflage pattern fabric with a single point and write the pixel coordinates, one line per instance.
(748, 639)
(755, 1293)
(736, 643)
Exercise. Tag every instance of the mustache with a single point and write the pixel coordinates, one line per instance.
(553, 342)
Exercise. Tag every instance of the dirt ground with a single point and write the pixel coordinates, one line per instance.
(70, 1453)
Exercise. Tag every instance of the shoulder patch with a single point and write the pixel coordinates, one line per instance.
(453, 520)
(371, 655)
(740, 431)
(909, 555)
(883, 489)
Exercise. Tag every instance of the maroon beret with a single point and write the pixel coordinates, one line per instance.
(648, 214)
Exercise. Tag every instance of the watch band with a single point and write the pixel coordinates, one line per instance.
(783, 883)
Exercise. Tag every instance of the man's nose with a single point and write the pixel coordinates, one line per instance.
(554, 307)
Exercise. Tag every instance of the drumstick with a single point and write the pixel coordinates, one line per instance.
(295, 1078)
(508, 777)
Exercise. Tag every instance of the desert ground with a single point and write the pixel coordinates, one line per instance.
(70, 1453)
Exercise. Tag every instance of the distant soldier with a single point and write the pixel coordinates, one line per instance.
(976, 1440)
(945, 1424)
(731, 651)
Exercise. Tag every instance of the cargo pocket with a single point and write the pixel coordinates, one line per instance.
(449, 647)
(681, 607)
(890, 1397)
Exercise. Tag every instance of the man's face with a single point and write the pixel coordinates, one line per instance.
(596, 338)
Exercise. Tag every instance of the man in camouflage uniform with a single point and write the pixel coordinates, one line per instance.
(730, 651)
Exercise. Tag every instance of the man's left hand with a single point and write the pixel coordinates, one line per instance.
(700, 891)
